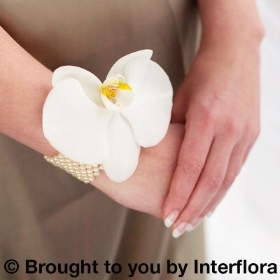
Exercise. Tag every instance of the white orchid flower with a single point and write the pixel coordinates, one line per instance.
(107, 123)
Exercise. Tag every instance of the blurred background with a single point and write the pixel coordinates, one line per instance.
(246, 225)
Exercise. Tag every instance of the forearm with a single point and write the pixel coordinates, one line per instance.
(24, 85)
(231, 35)
(229, 23)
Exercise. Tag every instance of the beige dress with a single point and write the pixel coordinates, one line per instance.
(47, 215)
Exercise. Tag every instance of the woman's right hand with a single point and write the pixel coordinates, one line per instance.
(147, 188)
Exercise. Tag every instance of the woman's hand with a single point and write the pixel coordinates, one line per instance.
(219, 104)
(146, 190)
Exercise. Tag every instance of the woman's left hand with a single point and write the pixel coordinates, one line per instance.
(219, 104)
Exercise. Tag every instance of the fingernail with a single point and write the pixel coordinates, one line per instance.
(194, 224)
(180, 229)
(189, 228)
(170, 219)
(209, 214)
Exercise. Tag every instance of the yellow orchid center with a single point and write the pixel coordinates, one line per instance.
(116, 89)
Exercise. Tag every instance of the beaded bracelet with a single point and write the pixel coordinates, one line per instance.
(83, 172)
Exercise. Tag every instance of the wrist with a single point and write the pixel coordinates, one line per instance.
(231, 37)
(231, 45)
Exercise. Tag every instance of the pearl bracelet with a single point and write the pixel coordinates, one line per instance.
(83, 172)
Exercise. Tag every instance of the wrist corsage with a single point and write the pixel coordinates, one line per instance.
(97, 125)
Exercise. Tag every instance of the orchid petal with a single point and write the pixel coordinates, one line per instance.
(124, 151)
(74, 125)
(89, 81)
(120, 64)
(149, 114)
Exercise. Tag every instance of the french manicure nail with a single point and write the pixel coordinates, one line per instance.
(194, 224)
(180, 229)
(197, 223)
(189, 228)
(209, 214)
(170, 219)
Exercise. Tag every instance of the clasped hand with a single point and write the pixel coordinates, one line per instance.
(185, 176)
(218, 103)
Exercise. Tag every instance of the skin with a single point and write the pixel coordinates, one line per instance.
(218, 103)
(223, 80)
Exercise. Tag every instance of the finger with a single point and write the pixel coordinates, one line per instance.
(209, 182)
(246, 154)
(238, 158)
(193, 153)
(252, 138)
(234, 166)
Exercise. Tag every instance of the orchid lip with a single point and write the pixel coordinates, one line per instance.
(93, 122)
(117, 92)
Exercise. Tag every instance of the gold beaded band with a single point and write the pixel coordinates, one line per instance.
(83, 172)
